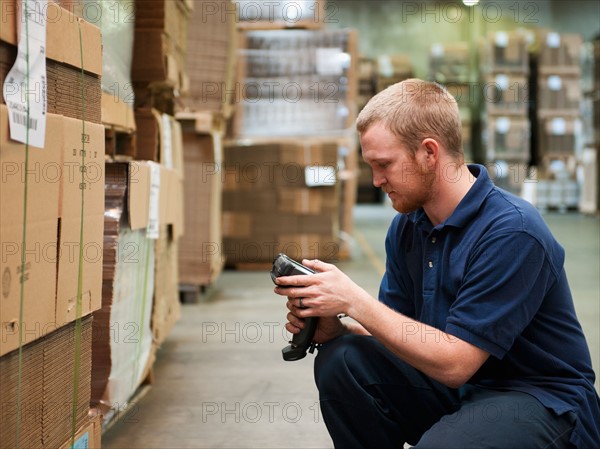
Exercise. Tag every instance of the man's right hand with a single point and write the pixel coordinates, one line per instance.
(327, 329)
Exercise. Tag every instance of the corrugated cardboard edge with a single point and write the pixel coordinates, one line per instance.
(62, 35)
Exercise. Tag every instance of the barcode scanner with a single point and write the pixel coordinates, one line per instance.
(302, 341)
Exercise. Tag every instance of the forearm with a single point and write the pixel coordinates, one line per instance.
(439, 355)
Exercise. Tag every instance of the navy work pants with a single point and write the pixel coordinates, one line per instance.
(371, 399)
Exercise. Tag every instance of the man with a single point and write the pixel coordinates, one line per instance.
(474, 342)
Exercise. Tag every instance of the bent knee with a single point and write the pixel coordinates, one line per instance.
(339, 360)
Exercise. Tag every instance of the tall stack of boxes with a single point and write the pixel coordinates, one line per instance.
(296, 91)
(51, 229)
(142, 212)
(449, 64)
(506, 99)
(202, 115)
(559, 127)
(589, 201)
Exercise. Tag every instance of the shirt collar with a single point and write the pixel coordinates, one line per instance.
(468, 206)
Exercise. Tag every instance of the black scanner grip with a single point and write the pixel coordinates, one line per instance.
(302, 341)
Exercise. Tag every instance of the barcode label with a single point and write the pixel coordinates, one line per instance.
(21, 119)
(27, 110)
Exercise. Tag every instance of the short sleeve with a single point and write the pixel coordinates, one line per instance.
(506, 279)
(393, 291)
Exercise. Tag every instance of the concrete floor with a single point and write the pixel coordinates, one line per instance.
(220, 381)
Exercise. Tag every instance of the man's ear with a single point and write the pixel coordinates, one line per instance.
(431, 149)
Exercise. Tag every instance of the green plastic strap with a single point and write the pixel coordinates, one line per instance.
(143, 312)
(24, 238)
(79, 306)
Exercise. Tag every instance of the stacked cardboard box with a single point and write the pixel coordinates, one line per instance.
(559, 93)
(558, 116)
(53, 373)
(449, 64)
(115, 20)
(160, 46)
(50, 209)
(281, 197)
(506, 101)
(139, 295)
(590, 160)
(392, 69)
(295, 82)
(210, 60)
(200, 257)
(283, 14)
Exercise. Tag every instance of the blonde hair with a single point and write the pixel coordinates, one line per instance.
(414, 110)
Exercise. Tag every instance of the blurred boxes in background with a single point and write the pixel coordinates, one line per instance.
(392, 69)
(449, 63)
(295, 82)
(211, 46)
(281, 197)
(201, 258)
(505, 52)
(308, 14)
(558, 53)
(504, 139)
(160, 45)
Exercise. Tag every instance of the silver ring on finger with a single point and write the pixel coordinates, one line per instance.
(300, 303)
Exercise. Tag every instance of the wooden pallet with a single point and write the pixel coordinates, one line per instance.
(128, 414)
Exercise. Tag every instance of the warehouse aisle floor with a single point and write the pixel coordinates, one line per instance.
(220, 381)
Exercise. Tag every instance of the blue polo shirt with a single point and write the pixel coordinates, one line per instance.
(492, 274)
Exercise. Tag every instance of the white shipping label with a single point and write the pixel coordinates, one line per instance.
(25, 87)
(502, 125)
(553, 40)
(385, 66)
(559, 126)
(331, 61)
(502, 82)
(437, 50)
(152, 230)
(501, 39)
(316, 176)
(554, 82)
(167, 142)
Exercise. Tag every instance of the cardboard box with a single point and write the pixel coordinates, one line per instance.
(153, 131)
(505, 93)
(156, 60)
(559, 135)
(280, 15)
(559, 53)
(449, 63)
(200, 252)
(504, 51)
(88, 147)
(508, 138)
(166, 309)
(62, 36)
(559, 95)
(309, 90)
(87, 437)
(53, 226)
(122, 337)
(269, 205)
(211, 59)
(170, 16)
(47, 384)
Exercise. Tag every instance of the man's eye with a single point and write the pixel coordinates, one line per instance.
(383, 164)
